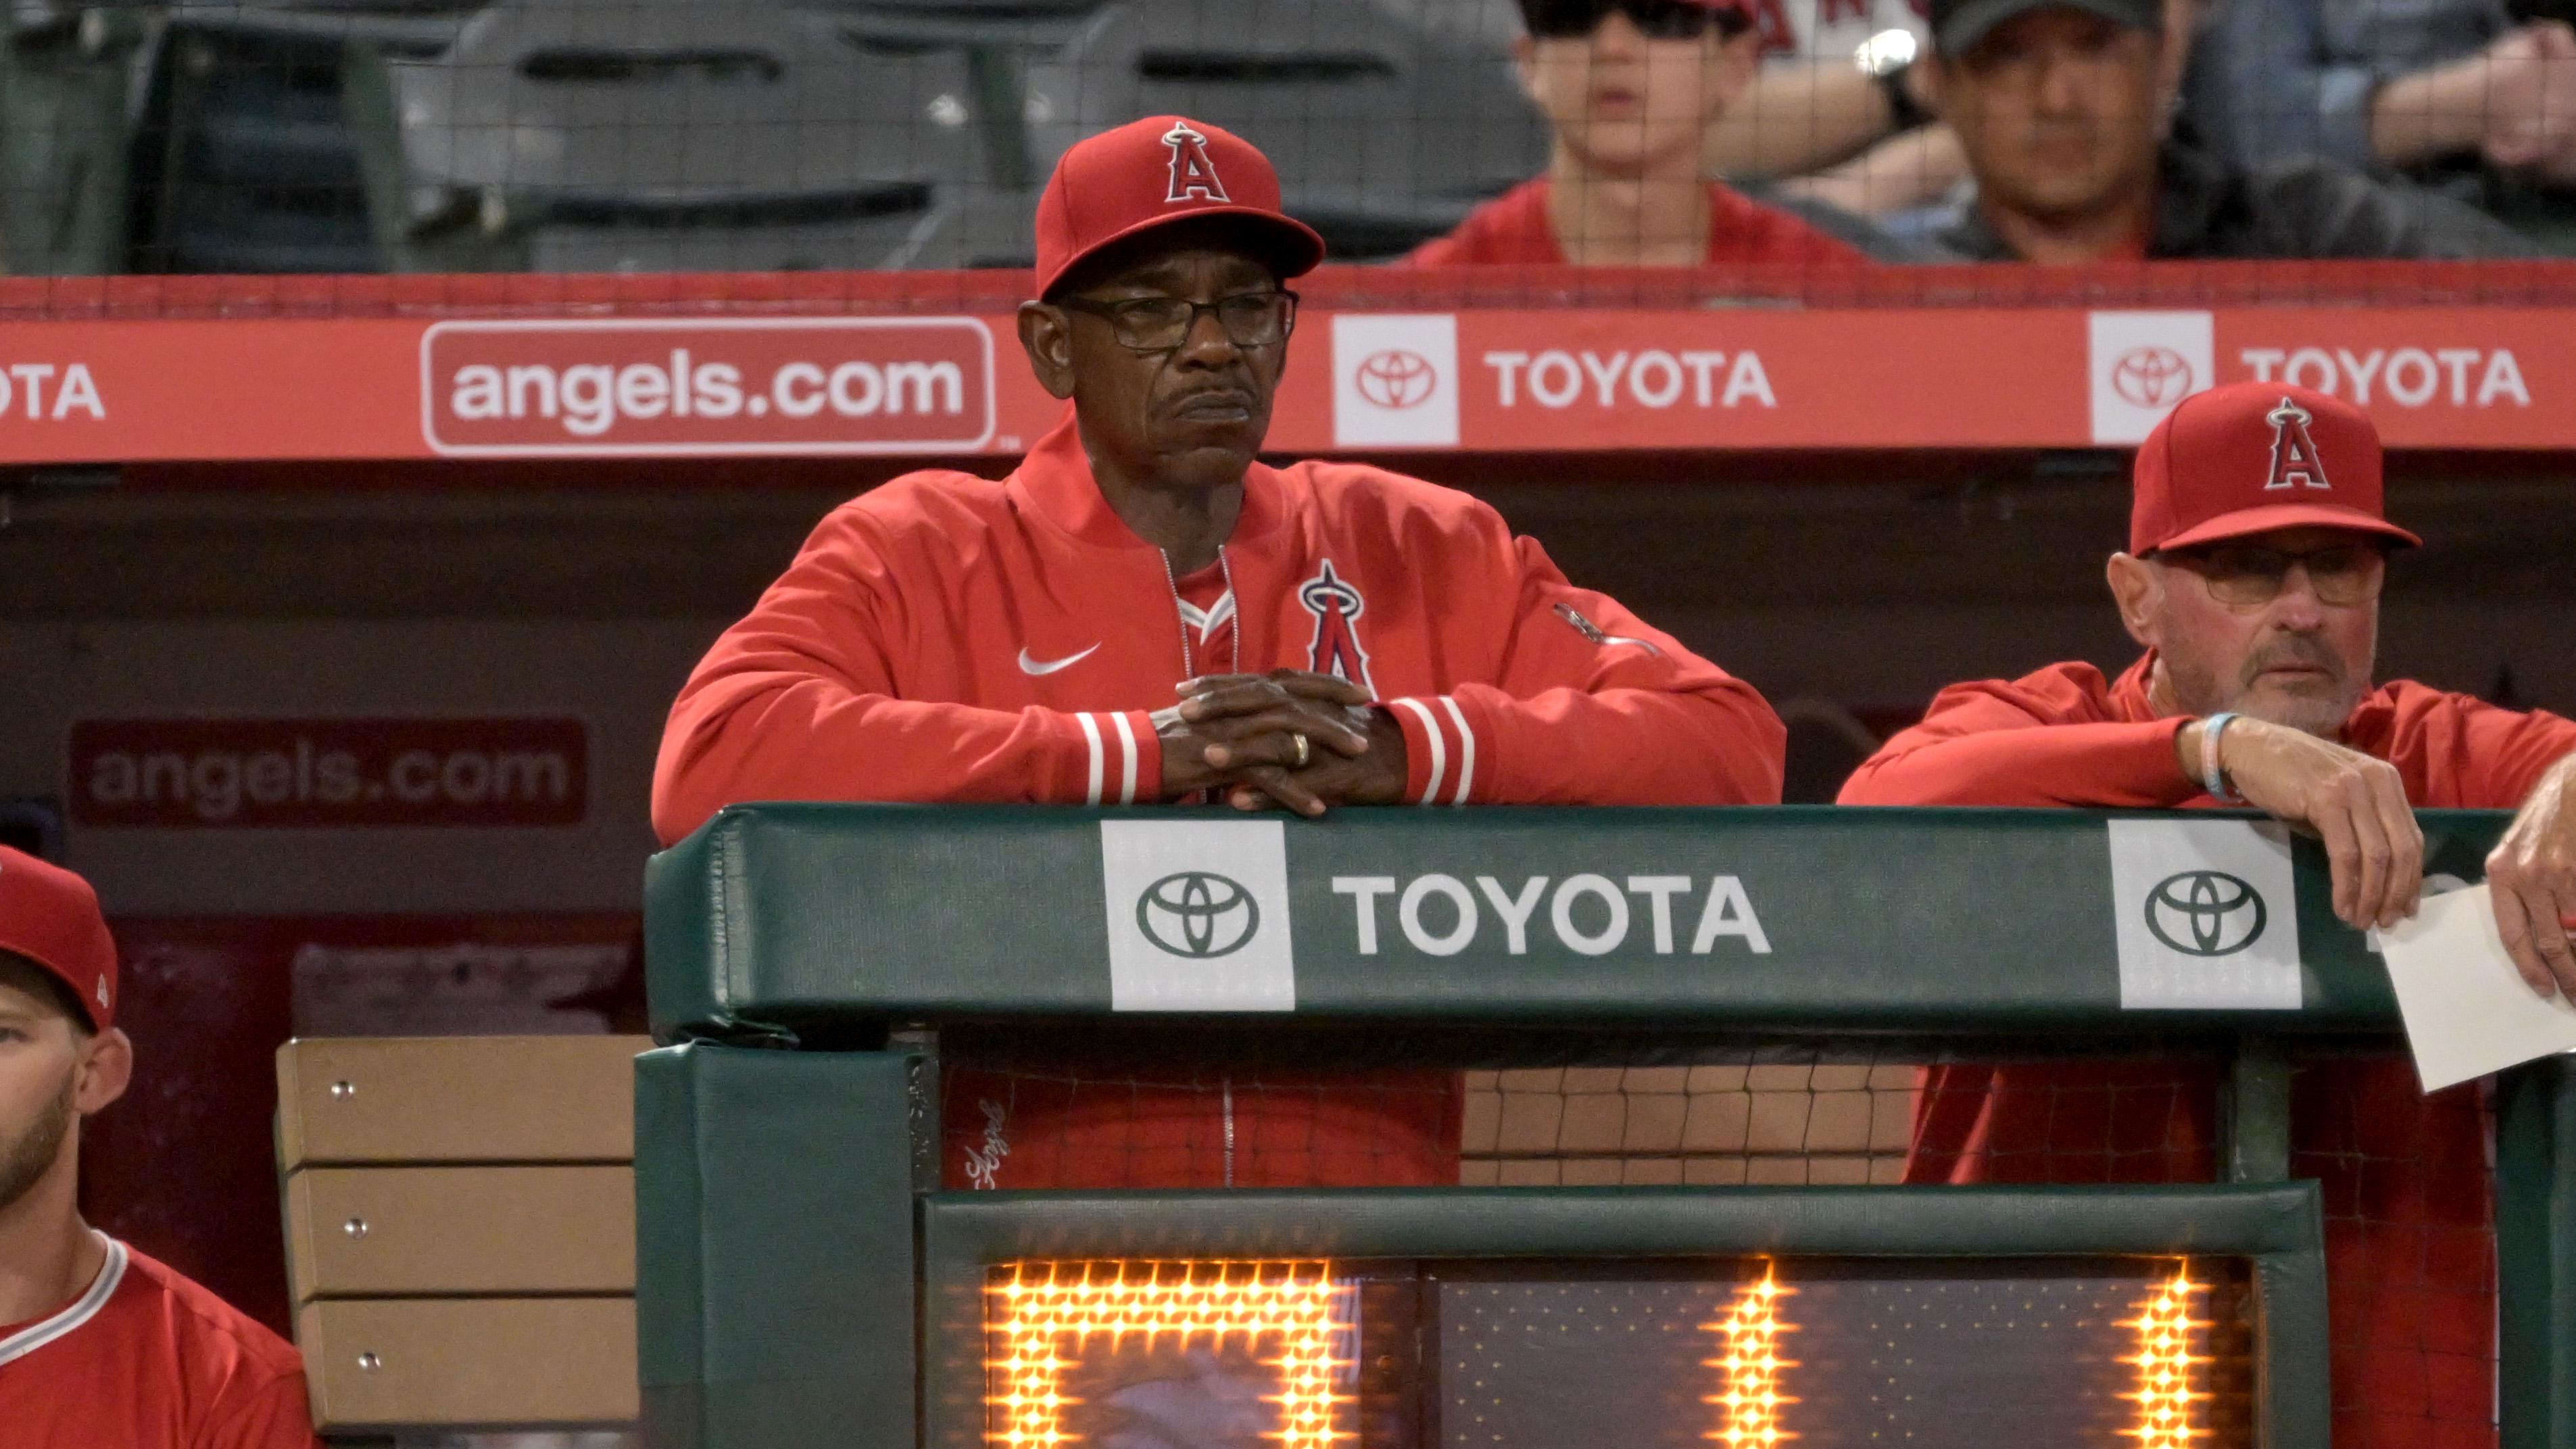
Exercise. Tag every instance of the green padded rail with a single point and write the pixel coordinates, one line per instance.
(2536, 1252)
(773, 1237)
(782, 916)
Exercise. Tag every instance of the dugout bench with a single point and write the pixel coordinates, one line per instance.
(806, 1277)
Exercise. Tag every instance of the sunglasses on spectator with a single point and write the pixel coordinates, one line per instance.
(1654, 19)
(2248, 576)
(1162, 324)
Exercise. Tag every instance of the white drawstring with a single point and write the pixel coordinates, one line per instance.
(1180, 615)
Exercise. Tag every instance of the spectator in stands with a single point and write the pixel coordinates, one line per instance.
(100, 1346)
(2256, 554)
(1142, 612)
(2060, 106)
(2441, 86)
(1631, 88)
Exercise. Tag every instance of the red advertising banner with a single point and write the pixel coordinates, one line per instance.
(1498, 379)
(757, 385)
(213, 774)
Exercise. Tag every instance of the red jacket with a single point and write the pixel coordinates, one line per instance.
(145, 1359)
(1514, 227)
(2408, 1209)
(949, 638)
(1980, 744)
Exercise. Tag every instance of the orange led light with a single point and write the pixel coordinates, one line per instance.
(2166, 1326)
(1749, 1366)
(1039, 1306)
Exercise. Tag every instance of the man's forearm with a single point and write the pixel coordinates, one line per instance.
(1899, 172)
(1797, 117)
(2108, 765)
(2431, 113)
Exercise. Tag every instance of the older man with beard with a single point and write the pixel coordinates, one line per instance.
(100, 1346)
(2256, 556)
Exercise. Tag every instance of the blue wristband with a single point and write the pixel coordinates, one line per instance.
(2212, 777)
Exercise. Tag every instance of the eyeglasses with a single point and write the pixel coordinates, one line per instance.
(1161, 324)
(2246, 576)
(1654, 19)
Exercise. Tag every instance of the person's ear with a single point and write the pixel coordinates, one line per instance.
(2138, 587)
(105, 1069)
(1739, 59)
(1930, 77)
(1047, 337)
(1525, 68)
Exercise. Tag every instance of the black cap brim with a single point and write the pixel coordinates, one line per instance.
(1958, 32)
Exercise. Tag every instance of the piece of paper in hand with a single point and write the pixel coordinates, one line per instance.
(2467, 1011)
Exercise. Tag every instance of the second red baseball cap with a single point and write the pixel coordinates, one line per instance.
(2251, 457)
(50, 916)
(1156, 171)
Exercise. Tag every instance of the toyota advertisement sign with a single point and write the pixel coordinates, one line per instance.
(752, 385)
(1532, 373)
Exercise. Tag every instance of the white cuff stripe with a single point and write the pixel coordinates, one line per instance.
(1091, 732)
(1466, 749)
(1439, 753)
(84, 1308)
(1127, 759)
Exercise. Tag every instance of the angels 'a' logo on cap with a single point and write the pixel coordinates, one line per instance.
(2295, 462)
(101, 993)
(1193, 174)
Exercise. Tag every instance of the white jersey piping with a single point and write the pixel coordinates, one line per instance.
(84, 1308)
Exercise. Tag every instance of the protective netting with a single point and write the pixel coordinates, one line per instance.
(2407, 1180)
(649, 136)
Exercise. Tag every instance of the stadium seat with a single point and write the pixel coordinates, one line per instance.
(243, 160)
(662, 136)
(1384, 133)
(65, 83)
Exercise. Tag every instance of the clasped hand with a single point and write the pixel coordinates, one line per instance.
(1239, 734)
(2357, 806)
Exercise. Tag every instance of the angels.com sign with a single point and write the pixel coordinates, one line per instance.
(806, 385)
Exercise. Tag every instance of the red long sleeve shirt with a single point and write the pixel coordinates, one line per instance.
(2063, 736)
(144, 1357)
(949, 638)
(2408, 1211)
(1515, 227)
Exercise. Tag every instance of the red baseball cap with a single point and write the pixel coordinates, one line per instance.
(2254, 456)
(1149, 173)
(50, 916)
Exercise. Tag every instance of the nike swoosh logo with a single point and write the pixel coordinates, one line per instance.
(1050, 666)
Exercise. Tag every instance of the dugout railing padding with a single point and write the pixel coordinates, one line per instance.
(798, 1258)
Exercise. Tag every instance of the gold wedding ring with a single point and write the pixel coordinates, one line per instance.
(1305, 751)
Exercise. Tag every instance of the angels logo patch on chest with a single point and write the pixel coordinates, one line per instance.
(1337, 607)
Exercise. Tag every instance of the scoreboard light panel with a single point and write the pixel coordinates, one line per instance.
(1656, 1354)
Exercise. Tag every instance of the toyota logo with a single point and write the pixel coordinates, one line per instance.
(2151, 377)
(1395, 378)
(1198, 914)
(2206, 913)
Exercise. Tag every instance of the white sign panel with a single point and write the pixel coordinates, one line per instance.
(1198, 915)
(2143, 363)
(2206, 916)
(2467, 1010)
(1395, 379)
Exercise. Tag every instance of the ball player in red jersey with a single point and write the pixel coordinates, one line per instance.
(2256, 557)
(100, 1346)
(1142, 612)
